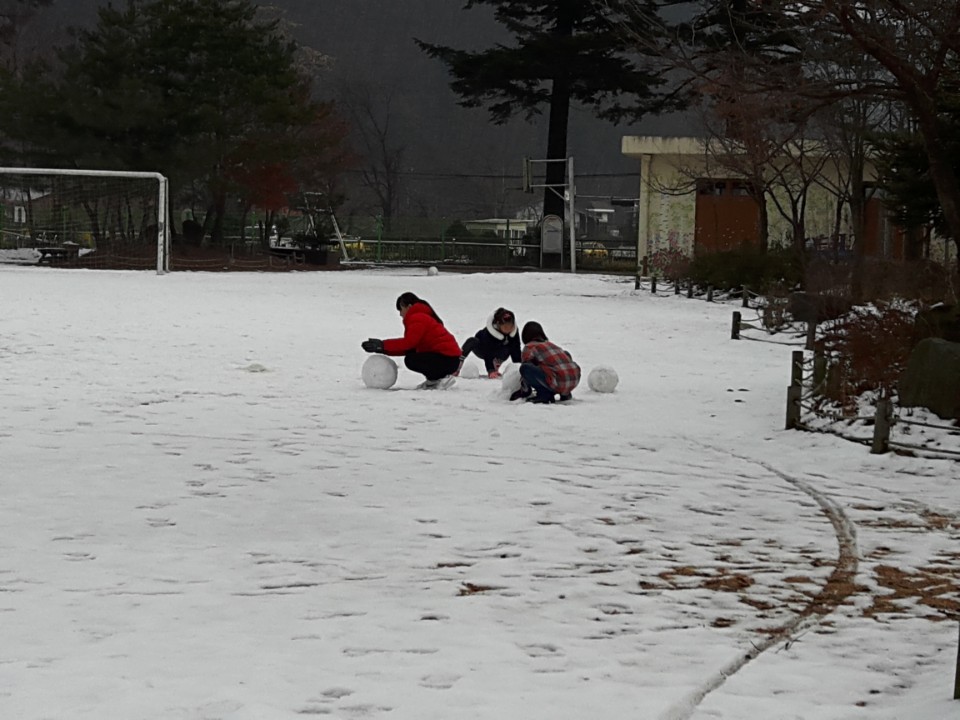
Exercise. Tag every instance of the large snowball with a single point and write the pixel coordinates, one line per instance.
(432, 270)
(603, 379)
(510, 382)
(379, 372)
(470, 370)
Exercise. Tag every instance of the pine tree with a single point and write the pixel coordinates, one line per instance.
(174, 86)
(563, 52)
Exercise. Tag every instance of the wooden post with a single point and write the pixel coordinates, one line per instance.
(796, 367)
(881, 428)
(636, 282)
(811, 334)
(745, 297)
(819, 369)
(735, 330)
(709, 293)
(795, 390)
(690, 289)
(676, 286)
(653, 285)
(645, 266)
(956, 680)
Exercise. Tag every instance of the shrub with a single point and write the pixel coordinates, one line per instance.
(866, 350)
(760, 271)
(669, 263)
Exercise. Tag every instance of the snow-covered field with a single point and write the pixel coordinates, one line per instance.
(205, 514)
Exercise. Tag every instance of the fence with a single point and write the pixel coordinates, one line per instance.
(888, 424)
(883, 426)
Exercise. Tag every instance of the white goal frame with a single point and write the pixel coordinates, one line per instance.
(163, 195)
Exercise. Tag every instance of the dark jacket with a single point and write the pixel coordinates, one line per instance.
(422, 333)
(491, 344)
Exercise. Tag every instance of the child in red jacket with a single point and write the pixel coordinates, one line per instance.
(548, 371)
(427, 346)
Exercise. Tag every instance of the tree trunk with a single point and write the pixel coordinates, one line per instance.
(763, 220)
(858, 203)
(942, 174)
(556, 171)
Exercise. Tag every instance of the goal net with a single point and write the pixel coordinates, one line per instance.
(85, 218)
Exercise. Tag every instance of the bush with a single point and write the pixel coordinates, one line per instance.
(670, 264)
(866, 350)
(759, 271)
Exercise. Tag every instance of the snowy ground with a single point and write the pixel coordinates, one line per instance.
(205, 514)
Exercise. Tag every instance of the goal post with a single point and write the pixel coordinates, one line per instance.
(113, 218)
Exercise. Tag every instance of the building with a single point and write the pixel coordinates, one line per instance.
(691, 203)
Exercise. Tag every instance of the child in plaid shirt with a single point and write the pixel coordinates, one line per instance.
(548, 371)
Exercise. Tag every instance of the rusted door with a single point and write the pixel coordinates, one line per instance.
(728, 217)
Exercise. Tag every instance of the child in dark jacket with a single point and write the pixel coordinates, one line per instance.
(496, 342)
(548, 371)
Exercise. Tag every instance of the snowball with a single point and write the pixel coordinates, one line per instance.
(470, 371)
(603, 379)
(432, 270)
(510, 382)
(379, 372)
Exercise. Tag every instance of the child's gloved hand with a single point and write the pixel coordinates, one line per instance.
(373, 345)
(494, 374)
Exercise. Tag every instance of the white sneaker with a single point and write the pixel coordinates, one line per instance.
(444, 383)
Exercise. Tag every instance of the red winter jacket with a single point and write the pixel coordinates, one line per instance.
(422, 333)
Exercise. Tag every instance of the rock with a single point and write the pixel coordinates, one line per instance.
(932, 378)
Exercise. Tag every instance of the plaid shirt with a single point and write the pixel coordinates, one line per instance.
(563, 374)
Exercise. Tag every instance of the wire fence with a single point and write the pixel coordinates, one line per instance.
(873, 420)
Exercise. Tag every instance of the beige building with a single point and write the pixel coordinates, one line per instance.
(693, 203)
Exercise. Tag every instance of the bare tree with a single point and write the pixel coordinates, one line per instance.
(14, 16)
(370, 108)
(916, 43)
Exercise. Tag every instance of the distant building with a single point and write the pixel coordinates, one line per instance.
(690, 203)
(512, 228)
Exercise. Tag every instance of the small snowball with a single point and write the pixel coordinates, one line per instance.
(379, 371)
(470, 371)
(603, 379)
(432, 270)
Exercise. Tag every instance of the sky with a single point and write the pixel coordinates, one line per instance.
(207, 515)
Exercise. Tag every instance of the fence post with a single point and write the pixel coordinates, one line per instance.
(690, 289)
(881, 428)
(811, 334)
(653, 285)
(636, 282)
(709, 293)
(819, 368)
(745, 298)
(645, 265)
(795, 390)
(956, 680)
(735, 330)
(676, 286)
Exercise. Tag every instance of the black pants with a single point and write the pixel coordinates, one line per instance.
(433, 365)
(472, 345)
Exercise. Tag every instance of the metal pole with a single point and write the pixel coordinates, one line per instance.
(571, 193)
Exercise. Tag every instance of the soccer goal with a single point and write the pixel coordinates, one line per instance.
(87, 218)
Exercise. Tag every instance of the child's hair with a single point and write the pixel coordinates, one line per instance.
(533, 332)
(408, 299)
(502, 315)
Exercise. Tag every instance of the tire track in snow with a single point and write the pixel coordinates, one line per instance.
(839, 587)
